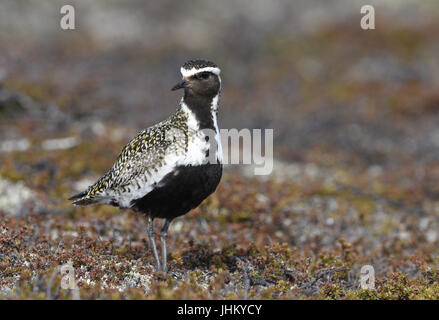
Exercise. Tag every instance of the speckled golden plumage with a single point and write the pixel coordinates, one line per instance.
(146, 152)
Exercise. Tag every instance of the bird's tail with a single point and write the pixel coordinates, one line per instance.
(82, 199)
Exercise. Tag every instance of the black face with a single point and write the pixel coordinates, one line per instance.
(205, 84)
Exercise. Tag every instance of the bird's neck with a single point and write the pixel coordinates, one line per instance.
(204, 109)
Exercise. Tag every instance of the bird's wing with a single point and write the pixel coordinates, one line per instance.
(143, 161)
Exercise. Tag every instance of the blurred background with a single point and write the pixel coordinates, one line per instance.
(351, 109)
(304, 68)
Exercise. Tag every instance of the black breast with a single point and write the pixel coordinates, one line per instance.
(180, 191)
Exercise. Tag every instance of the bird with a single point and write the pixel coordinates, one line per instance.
(168, 169)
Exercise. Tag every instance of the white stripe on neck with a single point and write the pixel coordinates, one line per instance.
(194, 125)
(214, 110)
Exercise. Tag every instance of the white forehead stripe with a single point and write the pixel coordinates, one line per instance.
(191, 72)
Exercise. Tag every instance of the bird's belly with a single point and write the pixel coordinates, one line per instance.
(180, 191)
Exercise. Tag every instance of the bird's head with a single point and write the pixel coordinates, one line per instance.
(200, 78)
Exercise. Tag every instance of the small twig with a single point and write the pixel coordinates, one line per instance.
(246, 280)
(321, 274)
(294, 274)
(260, 282)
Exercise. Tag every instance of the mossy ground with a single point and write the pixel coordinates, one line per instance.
(262, 239)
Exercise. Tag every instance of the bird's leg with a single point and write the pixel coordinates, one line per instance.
(163, 238)
(152, 241)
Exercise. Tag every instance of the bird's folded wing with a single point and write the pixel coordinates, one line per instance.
(144, 161)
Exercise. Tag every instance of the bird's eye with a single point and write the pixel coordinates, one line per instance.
(204, 75)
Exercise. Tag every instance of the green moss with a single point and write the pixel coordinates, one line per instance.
(331, 291)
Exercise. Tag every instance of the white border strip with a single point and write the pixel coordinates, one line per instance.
(189, 73)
